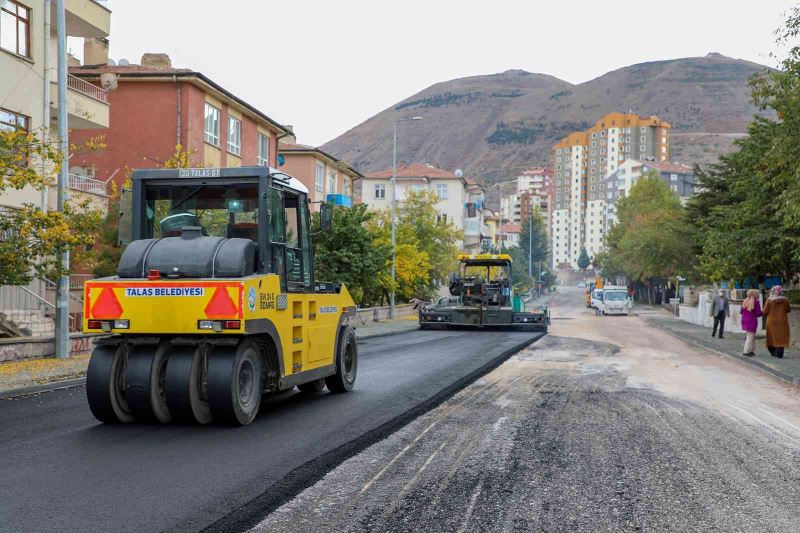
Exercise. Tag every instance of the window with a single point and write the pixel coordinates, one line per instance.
(10, 121)
(441, 191)
(442, 219)
(263, 150)
(212, 125)
(319, 178)
(332, 181)
(346, 185)
(642, 147)
(673, 177)
(15, 28)
(643, 139)
(380, 192)
(234, 136)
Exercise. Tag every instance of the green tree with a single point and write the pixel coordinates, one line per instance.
(533, 248)
(583, 259)
(651, 238)
(746, 217)
(350, 253)
(30, 239)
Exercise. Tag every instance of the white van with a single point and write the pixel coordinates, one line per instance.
(616, 301)
(597, 301)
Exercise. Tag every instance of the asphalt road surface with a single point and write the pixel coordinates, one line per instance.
(603, 425)
(60, 470)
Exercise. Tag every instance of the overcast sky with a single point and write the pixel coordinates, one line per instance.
(325, 66)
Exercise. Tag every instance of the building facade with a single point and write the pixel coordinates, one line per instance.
(680, 178)
(327, 178)
(156, 107)
(581, 163)
(473, 216)
(28, 85)
(451, 189)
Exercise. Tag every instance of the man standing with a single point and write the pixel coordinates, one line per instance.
(720, 309)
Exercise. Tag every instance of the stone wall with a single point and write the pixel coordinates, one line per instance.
(698, 314)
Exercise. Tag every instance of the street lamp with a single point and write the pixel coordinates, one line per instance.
(394, 207)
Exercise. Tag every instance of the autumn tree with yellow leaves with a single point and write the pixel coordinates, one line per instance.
(31, 240)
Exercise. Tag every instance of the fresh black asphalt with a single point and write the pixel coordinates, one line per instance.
(60, 470)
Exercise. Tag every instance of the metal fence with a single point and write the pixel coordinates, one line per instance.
(90, 185)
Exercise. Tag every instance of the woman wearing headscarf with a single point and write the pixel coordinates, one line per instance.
(751, 310)
(777, 310)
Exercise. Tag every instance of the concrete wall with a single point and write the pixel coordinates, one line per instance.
(700, 314)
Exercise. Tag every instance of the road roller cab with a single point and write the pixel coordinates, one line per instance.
(214, 301)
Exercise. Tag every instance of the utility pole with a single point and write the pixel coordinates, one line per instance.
(394, 210)
(62, 290)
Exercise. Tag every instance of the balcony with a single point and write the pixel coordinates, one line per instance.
(340, 199)
(87, 104)
(90, 185)
(86, 18)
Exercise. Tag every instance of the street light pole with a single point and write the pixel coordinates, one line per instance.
(394, 218)
(62, 289)
(394, 210)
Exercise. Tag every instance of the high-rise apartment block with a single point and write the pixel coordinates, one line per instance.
(581, 163)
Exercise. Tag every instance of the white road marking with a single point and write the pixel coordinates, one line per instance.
(396, 457)
(471, 507)
(768, 426)
(500, 421)
(421, 470)
(770, 413)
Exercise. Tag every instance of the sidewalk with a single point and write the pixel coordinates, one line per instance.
(32, 374)
(787, 369)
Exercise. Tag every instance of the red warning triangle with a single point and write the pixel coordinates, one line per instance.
(221, 305)
(107, 305)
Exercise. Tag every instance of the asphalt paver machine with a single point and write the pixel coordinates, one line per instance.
(482, 296)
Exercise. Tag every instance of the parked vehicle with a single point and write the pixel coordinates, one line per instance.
(597, 301)
(616, 300)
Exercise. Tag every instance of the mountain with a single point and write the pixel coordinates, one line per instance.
(495, 125)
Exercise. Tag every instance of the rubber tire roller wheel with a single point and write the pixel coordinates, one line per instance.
(346, 364)
(183, 385)
(105, 385)
(235, 383)
(312, 387)
(145, 386)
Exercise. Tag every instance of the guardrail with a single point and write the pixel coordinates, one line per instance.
(88, 89)
(90, 185)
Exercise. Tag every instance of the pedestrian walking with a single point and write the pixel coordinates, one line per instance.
(751, 310)
(777, 309)
(720, 310)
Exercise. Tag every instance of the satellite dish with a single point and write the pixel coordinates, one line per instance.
(459, 173)
(124, 62)
(111, 63)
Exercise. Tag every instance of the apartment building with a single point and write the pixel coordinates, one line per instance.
(473, 216)
(618, 184)
(156, 107)
(327, 178)
(450, 188)
(581, 163)
(28, 84)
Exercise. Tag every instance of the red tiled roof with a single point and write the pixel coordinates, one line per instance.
(667, 166)
(508, 227)
(128, 69)
(415, 170)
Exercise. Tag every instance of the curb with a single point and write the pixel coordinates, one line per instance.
(385, 334)
(783, 376)
(44, 387)
(296, 481)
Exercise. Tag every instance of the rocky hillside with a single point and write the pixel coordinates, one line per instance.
(492, 126)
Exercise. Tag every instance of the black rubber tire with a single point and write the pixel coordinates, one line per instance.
(184, 385)
(145, 386)
(312, 387)
(346, 363)
(235, 383)
(105, 384)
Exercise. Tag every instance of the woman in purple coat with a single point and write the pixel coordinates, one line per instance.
(751, 310)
